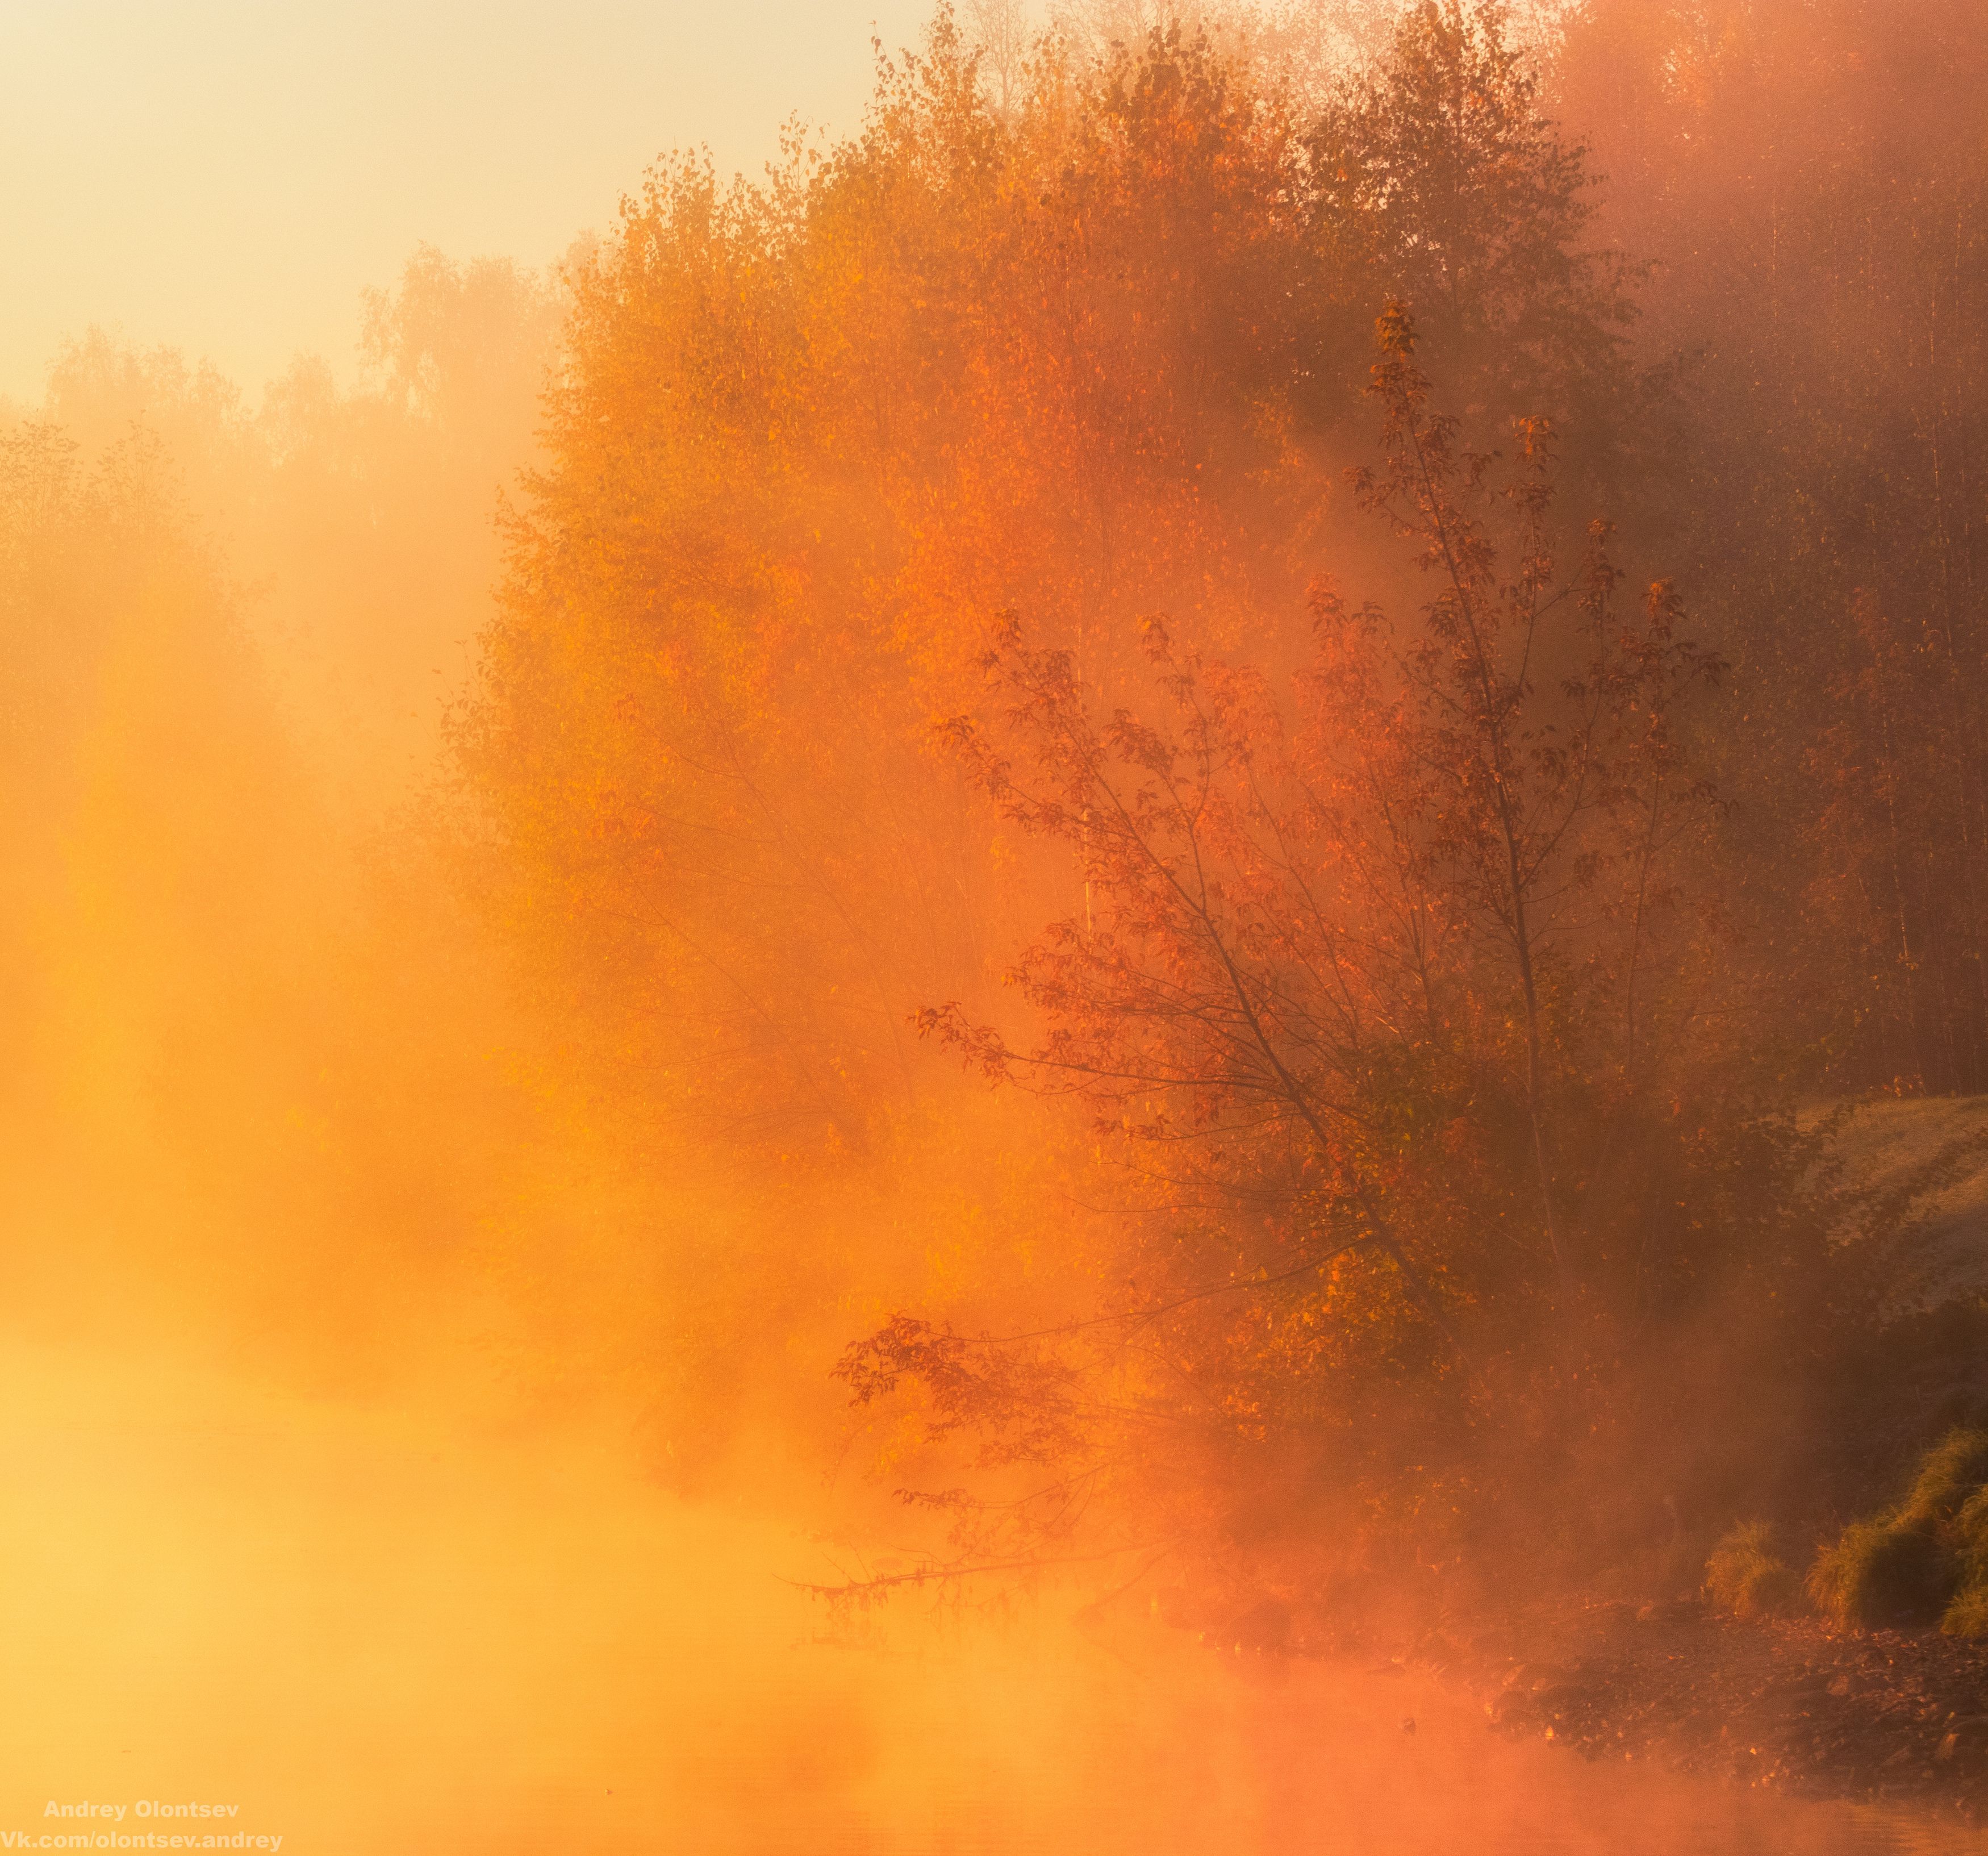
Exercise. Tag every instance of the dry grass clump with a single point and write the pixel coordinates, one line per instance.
(1746, 1578)
(1926, 1559)
(1949, 1475)
(1877, 1576)
(1967, 1615)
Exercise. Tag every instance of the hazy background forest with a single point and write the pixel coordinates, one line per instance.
(1289, 699)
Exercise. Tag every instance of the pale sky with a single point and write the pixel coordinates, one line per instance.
(226, 176)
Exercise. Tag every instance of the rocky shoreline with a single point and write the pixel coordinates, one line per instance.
(1899, 1716)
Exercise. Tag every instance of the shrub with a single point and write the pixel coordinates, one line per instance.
(1746, 1578)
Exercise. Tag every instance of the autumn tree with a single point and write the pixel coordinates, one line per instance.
(1438, 177)
(1388, 997)
(1810, 176)
(1083, 357)
(1091, 356)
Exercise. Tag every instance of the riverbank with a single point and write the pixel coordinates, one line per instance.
(1893, 1716)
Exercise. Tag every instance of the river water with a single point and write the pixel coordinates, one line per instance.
(368, 1630)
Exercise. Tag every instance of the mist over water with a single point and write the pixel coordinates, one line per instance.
(426, 1626)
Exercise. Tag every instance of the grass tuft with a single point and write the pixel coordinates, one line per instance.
(1951, 1472)
(1746, 1578)
(1967, 1616)
(1926, 1558)
(1879, 1576)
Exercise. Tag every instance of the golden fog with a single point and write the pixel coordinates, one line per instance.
(889, 1022)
